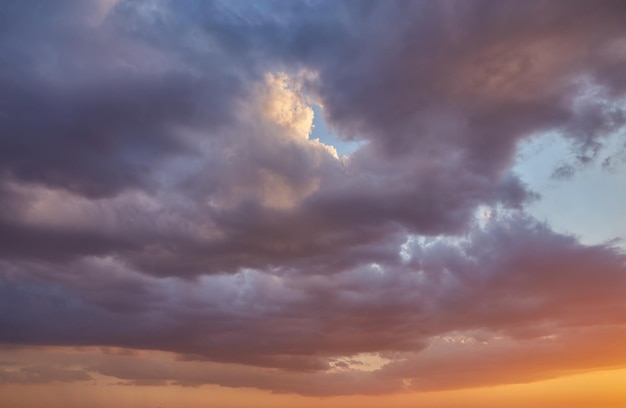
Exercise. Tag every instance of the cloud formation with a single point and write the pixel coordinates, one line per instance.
(160, 190)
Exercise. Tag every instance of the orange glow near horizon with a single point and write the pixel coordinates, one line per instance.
(600, 389)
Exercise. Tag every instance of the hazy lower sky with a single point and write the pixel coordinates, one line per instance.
(312, 203)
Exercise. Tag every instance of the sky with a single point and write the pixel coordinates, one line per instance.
(312, 203)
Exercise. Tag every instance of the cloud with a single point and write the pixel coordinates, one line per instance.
(41, 375)
(512, 279)
(160, 190)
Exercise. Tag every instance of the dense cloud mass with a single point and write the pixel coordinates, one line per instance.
(160, 189)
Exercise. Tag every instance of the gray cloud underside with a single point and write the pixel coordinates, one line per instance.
(139, 178)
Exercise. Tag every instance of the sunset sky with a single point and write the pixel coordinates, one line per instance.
(312, 203)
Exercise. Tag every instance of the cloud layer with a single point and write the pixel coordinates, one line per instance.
(160, 191)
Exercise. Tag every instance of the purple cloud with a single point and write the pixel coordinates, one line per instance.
(159, 189)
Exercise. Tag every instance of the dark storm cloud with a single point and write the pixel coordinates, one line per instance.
(514, 278)
(158, 189)
(100, 104)
(91, 108)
